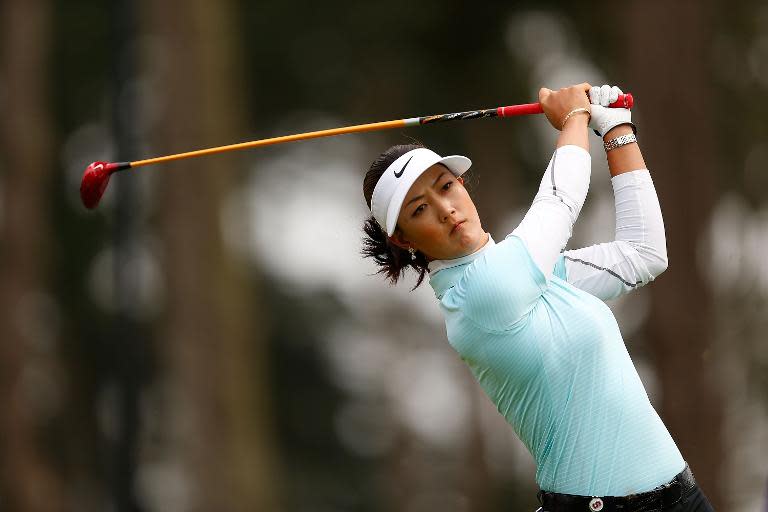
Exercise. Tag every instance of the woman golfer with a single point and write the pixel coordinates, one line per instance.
(529, 318)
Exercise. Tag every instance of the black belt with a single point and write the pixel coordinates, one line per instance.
(657, 499)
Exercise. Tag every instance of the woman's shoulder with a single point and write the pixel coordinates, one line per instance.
(498, 288)
(510, 259)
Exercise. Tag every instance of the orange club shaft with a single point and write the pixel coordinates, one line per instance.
(382, 125)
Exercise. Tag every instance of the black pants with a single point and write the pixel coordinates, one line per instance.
(694, 502)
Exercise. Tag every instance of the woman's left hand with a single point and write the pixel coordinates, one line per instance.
(604, 118)
(557, 104)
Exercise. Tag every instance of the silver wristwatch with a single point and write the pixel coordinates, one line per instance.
(619, 141)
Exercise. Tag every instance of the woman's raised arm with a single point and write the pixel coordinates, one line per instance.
(638, 253)
(548, 224)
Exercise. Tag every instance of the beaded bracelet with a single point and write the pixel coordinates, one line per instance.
(576, 111)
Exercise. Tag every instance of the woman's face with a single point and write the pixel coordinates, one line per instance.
(435, 203)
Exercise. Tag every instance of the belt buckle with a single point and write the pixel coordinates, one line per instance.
(596, 504)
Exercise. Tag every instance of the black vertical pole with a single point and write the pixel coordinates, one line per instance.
(125, 343)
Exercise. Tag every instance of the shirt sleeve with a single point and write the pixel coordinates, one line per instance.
(638, 254)
(548, 224)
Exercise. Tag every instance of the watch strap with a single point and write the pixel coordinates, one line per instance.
(619, 141)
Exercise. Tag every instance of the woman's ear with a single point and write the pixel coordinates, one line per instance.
(398, 240)
(460, 180)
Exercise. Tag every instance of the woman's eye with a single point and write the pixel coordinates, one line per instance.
(418, 210)
(447, 185)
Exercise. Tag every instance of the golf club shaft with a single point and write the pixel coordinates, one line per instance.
(624, 101)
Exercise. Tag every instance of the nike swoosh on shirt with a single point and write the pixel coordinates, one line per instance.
(403, 169)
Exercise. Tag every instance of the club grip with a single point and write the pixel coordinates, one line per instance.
(624, 101)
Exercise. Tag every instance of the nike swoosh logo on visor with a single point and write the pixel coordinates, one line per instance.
(403, 169)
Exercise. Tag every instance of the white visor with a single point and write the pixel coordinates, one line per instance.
(390, 191)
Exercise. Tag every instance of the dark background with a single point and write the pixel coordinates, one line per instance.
(210, 339)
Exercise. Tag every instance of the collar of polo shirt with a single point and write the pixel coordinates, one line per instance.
(393, 185)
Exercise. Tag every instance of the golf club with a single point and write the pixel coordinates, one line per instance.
(96, 176)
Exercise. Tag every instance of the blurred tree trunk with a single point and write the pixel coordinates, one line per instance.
(455, 478)
(476, 477)
(668, 49)
(213, 332)
(28, 481)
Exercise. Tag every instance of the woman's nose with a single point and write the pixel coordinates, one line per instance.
(445, 209)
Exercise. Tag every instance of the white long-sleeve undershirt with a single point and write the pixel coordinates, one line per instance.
(636, 256)
(548, 224)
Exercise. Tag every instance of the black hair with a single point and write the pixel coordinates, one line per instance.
(392, 260)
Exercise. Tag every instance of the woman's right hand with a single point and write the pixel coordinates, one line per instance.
(557, 104)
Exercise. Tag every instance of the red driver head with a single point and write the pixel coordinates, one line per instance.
(95, 181)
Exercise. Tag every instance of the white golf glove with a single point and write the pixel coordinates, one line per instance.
(604, 118)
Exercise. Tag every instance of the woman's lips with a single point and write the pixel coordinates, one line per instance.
(457, 226)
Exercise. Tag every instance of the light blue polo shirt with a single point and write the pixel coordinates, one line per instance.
(552, 359)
